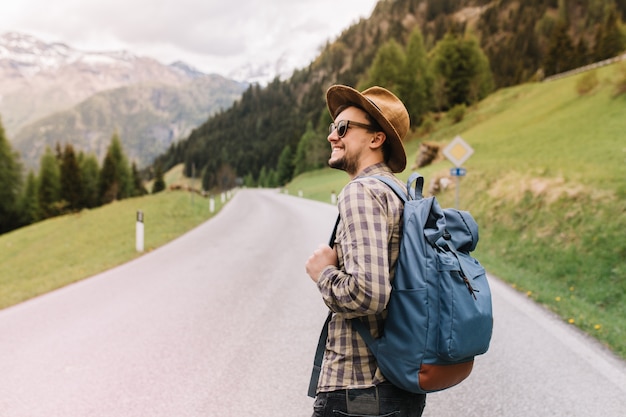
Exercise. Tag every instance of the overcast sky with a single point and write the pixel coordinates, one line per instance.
(215, 36)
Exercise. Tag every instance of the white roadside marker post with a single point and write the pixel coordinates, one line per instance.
(139, 232)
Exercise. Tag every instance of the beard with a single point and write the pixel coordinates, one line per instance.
(348, 163)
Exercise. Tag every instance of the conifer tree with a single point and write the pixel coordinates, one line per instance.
(226, 177)
(208, 178)
(416, 87)
(71, 181)
(159, 181)
(138, 188)
(559, 57)
(248, 180)
(90, 171)
(115, 177)
(109, 182)
(49, 185)
(387, 68)
(312, 151)
(10, 184)
(461, 71)
(29, 205)
(285, 168)
(263, 180)
(609, 38)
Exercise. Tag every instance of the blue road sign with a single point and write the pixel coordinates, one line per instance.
(458, 172)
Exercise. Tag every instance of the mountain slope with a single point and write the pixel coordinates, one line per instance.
(37, 78)
(52, 93)
(147, 117)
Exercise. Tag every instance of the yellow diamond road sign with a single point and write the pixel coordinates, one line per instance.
(458, 151)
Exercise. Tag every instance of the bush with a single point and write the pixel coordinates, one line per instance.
(428, 124)
(587, 83)
(457, 113)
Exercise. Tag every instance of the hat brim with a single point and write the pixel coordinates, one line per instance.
(339, 95)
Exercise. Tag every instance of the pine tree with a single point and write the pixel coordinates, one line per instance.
(609, 39)
(387, 68)
(29, 205)
(109, 181)
(71, 181)
(263, 180)
(582, 53)
(312, 151)
(461, 72)
(10, 184)
(90, 172)
(416, 87)
(115, 178)
(208, 177)
(226, 177)
(159, 181)
(285, 168)
(49, 185)
(138, 188)
(559, 57)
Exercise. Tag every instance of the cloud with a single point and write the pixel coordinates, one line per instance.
(215, 36)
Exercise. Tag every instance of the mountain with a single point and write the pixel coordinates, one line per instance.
(48, 91)
(147, 117)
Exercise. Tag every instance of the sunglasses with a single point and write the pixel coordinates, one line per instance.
(343, 125)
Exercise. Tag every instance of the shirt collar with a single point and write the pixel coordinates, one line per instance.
(376, 169)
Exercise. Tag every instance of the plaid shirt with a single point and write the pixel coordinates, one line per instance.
(367, 242)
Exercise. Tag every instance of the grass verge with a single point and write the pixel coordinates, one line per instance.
(56, 252)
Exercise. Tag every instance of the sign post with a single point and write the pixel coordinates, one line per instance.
(458, 151)
(139, 232)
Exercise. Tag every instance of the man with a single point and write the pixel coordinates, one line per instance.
(354, 276)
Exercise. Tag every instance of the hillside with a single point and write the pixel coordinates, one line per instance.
(147, 117)
(522, 40)
(546, 185)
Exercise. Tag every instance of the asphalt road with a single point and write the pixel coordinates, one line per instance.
(224, 322)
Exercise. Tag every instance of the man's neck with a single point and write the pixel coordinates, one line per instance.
(364, 165)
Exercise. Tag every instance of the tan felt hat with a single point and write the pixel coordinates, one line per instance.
(385, 108)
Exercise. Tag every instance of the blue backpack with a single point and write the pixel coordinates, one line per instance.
(439, 314)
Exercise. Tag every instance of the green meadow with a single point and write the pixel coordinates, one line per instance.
(547, 185)
(62, 250)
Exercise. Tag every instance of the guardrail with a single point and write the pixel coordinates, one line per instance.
(586, 68)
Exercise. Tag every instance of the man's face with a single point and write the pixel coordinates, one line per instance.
(346, 152)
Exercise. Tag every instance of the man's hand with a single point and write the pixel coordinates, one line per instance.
(323, 256)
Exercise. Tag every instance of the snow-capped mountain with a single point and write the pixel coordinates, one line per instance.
(266, 72)
(30, 56)
(40, 80)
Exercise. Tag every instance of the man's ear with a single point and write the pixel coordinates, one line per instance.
(377, 140)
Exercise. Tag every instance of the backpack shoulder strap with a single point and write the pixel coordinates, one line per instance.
(359, 326)
(319, 356)
(412, 192)
(321, 343)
